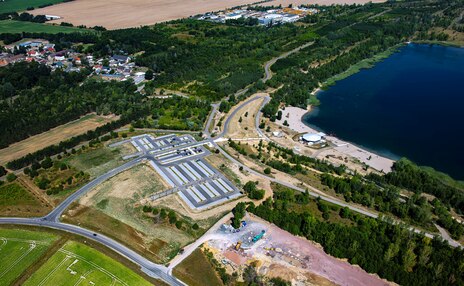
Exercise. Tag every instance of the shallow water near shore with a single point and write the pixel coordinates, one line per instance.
(409, 105)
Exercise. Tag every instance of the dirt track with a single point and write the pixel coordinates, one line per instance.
(115, 14)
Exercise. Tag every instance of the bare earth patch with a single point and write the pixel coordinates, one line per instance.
(245, 128)
(53, 136)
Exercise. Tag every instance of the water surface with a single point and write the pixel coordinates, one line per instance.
(409, 105)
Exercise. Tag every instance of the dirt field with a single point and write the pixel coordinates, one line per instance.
(114, 14)
(320, 2)
(53, 136)
(280, 254)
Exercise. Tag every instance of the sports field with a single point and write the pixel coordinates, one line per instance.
(52, 136)
(11, 26)
(18, 250)
(76, 263)
(21, 5)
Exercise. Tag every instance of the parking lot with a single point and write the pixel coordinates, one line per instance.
(180, 161)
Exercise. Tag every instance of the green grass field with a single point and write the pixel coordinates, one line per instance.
(10, 26)
(95, 161)
(14, 194)
(18, 250)
(21, 5)
(76, 263)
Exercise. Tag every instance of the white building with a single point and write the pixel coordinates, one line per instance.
(313, 138)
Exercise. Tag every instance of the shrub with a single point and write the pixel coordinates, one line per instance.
(11, 177)
(267, 171)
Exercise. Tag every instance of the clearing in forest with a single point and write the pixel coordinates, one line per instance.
(53, 136)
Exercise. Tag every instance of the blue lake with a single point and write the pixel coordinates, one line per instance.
(409, 105)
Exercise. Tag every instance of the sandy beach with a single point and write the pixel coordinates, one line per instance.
(294, 115)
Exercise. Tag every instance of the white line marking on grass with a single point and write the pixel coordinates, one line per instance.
(31, 247)
(99, 268)
(4, 242)
(84, 277)
(54, 270)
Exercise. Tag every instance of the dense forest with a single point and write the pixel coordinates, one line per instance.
(391, 251)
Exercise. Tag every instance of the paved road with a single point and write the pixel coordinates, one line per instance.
(258, 117)
(56, 213)
(229, 118)
(267, 66)
(152, 269)
(311, 190)
(215, 107)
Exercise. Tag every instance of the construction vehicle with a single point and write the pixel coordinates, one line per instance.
(238, 245)
(259, 236)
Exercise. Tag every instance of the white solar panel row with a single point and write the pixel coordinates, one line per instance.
(136, 146)
(195, 163)
(192, 176)
(220, 180)
(178, 173)
(192, 170)
(207, 169)
(178, 180)
(193, 195)
(198, 193)
(212, 189)
(221, 187)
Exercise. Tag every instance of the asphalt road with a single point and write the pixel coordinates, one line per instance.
(267, 66)
(55, 214)
(152, 269)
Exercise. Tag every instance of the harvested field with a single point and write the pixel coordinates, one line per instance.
(285, 3)
(53, 136)
(115, 14)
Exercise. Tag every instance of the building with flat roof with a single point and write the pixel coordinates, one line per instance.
(313, 138)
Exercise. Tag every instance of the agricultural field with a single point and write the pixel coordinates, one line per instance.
(15, 200)
(135, 13)
(77, 263)
(188, 271)
(52, 136)
(21, 5)
(19, 249)
(11, 26)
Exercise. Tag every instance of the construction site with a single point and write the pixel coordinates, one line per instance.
(277, 253)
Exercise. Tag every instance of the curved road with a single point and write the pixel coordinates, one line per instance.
(267, 66)
(152, 269)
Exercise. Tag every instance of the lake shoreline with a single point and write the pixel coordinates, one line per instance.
(294, 117)
(421, 58)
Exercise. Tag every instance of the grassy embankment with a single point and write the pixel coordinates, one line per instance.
(364, 64)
